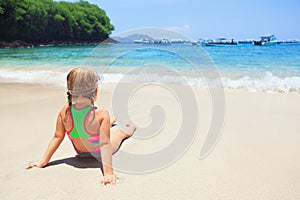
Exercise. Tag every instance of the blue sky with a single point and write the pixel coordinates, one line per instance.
(240, 19)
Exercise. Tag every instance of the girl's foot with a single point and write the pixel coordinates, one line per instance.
(129, 130)
(120, 135)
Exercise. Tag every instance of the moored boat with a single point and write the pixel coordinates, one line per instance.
(142, 41)
(266, 40)
(221, 41)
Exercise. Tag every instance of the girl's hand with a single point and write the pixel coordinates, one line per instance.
(34, 164)
(109, 179)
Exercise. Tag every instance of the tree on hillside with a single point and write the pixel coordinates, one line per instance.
(47, 20)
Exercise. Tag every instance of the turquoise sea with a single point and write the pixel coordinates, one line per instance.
(254, 68)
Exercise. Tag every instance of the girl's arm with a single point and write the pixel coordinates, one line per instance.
(106, 149)
(53, 145)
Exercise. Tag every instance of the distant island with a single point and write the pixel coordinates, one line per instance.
(47, 22)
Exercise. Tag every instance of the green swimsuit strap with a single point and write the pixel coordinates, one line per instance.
(78, 116)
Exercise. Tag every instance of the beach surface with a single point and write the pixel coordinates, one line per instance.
(256, 157)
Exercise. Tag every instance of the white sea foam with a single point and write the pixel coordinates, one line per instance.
(47, 77)
(268, 83)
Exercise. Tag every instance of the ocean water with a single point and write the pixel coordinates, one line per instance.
(254, 68)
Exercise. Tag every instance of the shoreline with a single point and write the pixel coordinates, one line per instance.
(109, 86)
(23, 44)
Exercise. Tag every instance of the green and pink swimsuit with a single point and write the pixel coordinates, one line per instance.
(79, 130)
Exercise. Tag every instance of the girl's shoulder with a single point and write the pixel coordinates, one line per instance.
(63, 111)
(102, 113)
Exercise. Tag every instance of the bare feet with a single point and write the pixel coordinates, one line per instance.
(119, 136)
(129, 130)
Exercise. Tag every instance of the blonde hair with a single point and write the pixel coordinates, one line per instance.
(81, 82)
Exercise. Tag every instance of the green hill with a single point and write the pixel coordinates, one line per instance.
(47, 21)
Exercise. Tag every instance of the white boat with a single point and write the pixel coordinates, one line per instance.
(177, 41)
(194, 42)
(162, 41)
(266, 40)
(221, 41)
(142, 41)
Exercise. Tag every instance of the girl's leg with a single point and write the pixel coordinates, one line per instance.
(117, 136)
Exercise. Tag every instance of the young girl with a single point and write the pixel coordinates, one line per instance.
(87, 127)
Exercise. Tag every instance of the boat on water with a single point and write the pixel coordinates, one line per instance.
(162, 41)
(177, 41)
(221, 41)
(266, 40)
(246, 42)
(142, 41)
(154, 41)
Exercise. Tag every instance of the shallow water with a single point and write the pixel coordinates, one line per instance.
(255, 68)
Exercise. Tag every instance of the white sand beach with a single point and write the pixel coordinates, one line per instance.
(257, 156)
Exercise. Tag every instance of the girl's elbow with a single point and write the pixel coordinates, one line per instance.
(103, 143)
(58, 138)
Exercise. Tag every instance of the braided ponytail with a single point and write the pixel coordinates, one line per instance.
(69, 96)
